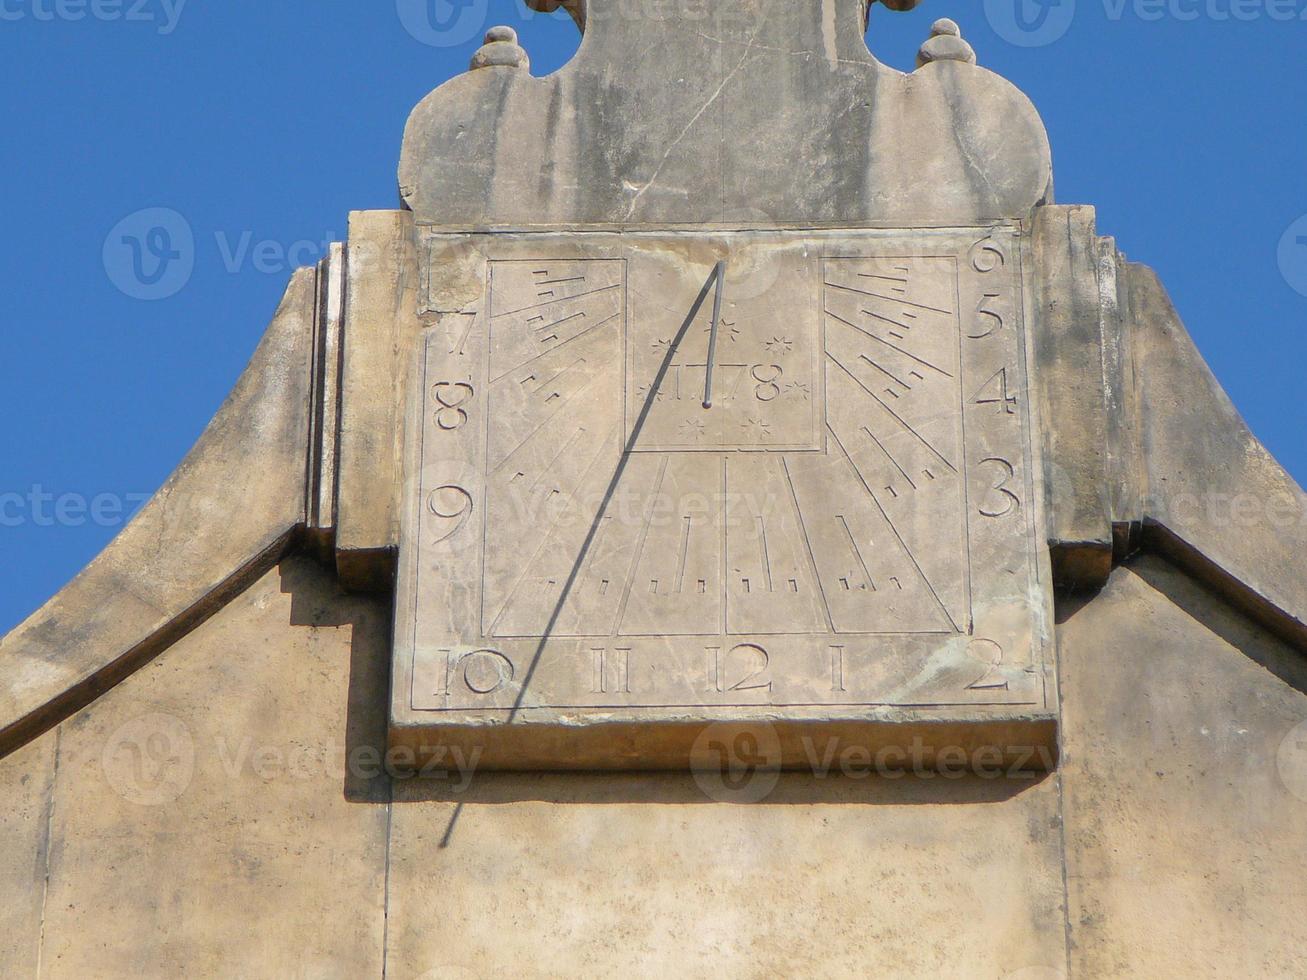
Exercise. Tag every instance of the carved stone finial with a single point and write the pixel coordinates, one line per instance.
(945, 44)
(501, 49)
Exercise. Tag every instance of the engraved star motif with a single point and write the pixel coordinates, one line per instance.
(661, 346)
(692, 428)
(800, 389)
(756, 426)
(642, 393)
(726, 329)
(779, 345)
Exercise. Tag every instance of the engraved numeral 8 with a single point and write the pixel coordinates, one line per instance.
(451, 396)
(767, 375)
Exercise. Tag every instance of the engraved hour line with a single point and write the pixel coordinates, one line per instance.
(902, 279)
(624, 455)
(892, 377)
(872, 436)
(551, 302)
(892, 323)
(545, 384)
(723, 559)
(639, 548)
(684, 556)
(807, 543)
(549, 533)
(557, 323)
(857, 553)
(534, 432)
(897, 417)
(547, 469)
(890, 299)
(888, 520)
(762, 550)
(557, 347)
(553, 282)
(893, 347)
(596, 550)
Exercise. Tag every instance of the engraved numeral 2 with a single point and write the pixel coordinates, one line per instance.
(746, 662)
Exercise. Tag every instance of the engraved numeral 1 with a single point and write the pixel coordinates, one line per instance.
(837, 670)
(612, 671)
(746, 661)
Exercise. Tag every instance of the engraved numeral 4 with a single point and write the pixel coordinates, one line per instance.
(995, 392)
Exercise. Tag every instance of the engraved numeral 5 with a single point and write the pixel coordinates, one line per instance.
(985, 327)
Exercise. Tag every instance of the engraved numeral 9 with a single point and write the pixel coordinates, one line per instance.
(449, 504)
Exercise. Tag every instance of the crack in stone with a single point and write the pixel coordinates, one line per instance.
(690, 125)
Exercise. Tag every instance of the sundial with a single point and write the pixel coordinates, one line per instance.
(668, 478)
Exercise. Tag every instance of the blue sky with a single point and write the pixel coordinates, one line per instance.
(263, 124)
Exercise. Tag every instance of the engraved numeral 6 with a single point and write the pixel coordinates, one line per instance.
(452, 396)
(986, 256)
(1010, 501)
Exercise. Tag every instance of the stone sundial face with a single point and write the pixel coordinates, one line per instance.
(847, 529)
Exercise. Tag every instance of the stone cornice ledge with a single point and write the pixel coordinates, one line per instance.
(233, 507)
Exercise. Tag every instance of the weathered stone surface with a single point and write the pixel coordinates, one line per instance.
(382, 327)
(1217, 500)
(204, 820)
(1069, 378)
(501, 50)
(25, 784)
(709, 112)
(848, 533)
(547, 876)
(224, 516)
(200, 818)
(1184, 842)
(945, 44)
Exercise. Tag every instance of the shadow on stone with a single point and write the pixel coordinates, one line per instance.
(318, 602)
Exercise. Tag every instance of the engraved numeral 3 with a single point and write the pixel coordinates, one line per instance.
(1009, 502)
